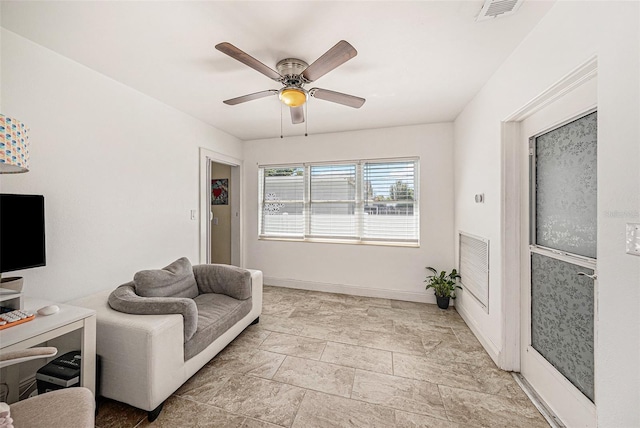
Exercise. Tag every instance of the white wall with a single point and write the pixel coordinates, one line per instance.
(566, 37)
(118, 169)
(395, 272)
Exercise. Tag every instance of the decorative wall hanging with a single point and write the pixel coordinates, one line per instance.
(14, 146)
(220, 191)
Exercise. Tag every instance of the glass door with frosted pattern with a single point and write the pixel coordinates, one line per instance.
(562, 250)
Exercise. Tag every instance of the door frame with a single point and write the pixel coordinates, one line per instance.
(235, 196)
(511, 197)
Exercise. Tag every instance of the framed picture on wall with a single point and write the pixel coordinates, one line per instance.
(220, 191)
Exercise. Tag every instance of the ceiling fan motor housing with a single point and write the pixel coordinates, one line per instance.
(291, 70)
(292, 94)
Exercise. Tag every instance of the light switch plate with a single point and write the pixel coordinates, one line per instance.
(633, 239)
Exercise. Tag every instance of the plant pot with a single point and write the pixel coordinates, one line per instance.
(443, 302)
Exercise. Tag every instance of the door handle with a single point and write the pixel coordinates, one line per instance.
(594, 276)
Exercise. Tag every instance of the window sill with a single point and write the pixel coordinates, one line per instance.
(342, 241)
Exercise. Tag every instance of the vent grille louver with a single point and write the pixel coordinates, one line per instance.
(474, 267)
(498, 8)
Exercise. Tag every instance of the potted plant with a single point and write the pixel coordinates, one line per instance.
(444, 285)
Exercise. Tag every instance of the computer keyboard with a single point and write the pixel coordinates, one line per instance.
(15, 317)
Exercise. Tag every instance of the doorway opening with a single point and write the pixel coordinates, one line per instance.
(525, 249)
(558, 260)
(220, 218)
(220, 209)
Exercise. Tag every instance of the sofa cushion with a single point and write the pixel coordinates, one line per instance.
(124, 299)
(175, 280)
(225, 279)
(217, 313)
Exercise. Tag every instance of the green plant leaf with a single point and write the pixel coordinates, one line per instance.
(443, 284)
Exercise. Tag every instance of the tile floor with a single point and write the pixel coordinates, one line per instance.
(330, 360)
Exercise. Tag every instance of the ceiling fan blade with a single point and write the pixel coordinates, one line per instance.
(337, 55)
(337, 97)
(247, 59)
(297, 114)
(250, 97)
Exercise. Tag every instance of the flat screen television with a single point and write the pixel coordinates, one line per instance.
(22, 244)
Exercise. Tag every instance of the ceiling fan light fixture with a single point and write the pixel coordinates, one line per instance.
(293, 97)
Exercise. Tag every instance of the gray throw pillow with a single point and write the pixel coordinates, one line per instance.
(125, 299)
(175, 280)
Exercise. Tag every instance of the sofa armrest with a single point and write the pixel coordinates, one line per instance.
(124, 299)
(223, 279)
(141, 356)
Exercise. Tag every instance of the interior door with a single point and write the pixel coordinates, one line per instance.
(560, 261)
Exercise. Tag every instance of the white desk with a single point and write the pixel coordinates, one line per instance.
(44, 328)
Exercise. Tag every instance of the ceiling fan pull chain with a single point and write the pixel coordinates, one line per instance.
(306, 122)
(281, 121)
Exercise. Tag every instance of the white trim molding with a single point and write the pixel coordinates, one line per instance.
(354, 290)
(511, 195)
(489, 346)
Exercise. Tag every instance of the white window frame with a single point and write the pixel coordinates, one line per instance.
(359, 204)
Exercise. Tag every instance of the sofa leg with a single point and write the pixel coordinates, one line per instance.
(255, 321)
(153, 414)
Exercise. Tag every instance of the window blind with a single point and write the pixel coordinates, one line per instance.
(282, 201)
(390, 196)
(372, 200)
(332, 200)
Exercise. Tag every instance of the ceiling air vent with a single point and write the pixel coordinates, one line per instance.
(498, 8)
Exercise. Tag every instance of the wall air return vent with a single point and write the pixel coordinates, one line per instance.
(474, 267)
(498, 8)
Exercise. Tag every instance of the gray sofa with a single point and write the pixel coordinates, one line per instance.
(155, 332)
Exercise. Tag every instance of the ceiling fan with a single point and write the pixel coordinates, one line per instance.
(294, 73)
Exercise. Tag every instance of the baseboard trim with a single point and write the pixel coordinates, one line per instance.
(353, 290)
(488, 345)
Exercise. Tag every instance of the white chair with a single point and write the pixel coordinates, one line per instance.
(63, 408)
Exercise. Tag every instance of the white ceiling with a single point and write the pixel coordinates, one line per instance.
(418, 61)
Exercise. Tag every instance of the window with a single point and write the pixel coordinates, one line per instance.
(332, 201)
(389, 198)
(358, 201)
(282, 201)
